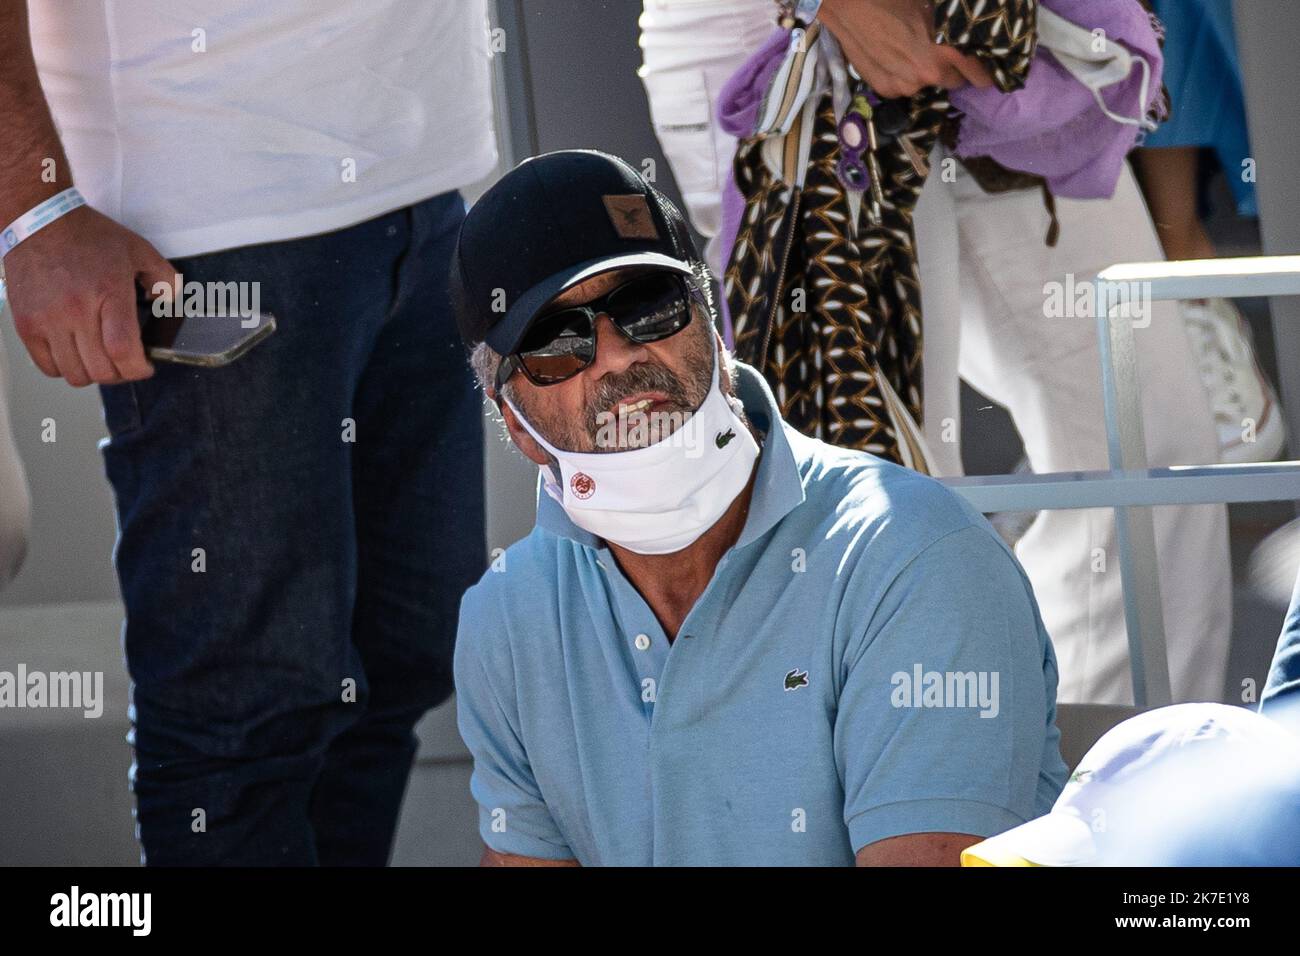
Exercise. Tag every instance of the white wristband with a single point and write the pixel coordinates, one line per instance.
(37, 219)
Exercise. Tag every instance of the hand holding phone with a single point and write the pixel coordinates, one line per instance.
(209, 341)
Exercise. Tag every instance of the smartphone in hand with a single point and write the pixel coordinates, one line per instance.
(209, 341)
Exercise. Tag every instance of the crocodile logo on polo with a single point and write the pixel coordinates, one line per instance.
(796, 679)
(724, 437)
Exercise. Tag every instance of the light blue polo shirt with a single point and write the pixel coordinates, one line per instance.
(867, 661)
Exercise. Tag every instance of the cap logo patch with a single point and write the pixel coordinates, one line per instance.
(631, 217)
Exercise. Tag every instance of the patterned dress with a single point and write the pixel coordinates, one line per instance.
(833, 319)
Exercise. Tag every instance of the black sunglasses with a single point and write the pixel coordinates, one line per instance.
(560, 344)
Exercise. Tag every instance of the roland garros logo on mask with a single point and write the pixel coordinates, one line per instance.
(582, 485)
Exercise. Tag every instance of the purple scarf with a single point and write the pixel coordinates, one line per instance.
(738, 106)
(1053, 126)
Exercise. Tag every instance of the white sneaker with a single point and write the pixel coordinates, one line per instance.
(1240, 395)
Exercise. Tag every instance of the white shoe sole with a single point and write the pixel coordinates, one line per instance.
(1270, 437)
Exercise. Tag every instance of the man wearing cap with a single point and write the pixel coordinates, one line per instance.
(723, 642)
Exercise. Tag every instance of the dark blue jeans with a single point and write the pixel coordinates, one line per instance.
(295, 533)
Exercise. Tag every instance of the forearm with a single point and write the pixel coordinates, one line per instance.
(33, 166)
(492, 858)
(917, 849)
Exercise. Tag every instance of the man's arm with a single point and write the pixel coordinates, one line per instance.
(914, 849)
(492, 858)
(30, 138)
(917, 849)
(943, 730)
(71, 286)
(513, 814)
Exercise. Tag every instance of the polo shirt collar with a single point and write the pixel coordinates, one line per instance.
(778, 487)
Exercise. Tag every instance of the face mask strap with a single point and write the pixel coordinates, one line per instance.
(1141, 121)
(554, 480)
(716, 381)
(528, 427)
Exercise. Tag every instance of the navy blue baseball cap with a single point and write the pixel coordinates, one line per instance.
(551, 222)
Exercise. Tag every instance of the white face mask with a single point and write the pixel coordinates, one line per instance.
(660, 498)
(1073, 46)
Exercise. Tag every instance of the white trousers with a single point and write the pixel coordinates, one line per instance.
(689, 50)
(984, 264)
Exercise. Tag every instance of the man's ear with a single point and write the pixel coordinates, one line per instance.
(520, 436)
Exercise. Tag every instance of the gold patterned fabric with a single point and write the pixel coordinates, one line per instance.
(833, 320)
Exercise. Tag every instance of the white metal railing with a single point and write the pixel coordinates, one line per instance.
(1129, 486)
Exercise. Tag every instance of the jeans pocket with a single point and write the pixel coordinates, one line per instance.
(121, 408)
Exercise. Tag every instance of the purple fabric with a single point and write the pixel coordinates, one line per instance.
(738, 106)
(1053, 126)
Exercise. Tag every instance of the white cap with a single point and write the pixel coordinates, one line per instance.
(1187, 785)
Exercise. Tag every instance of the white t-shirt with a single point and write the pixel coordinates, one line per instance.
(218, 123)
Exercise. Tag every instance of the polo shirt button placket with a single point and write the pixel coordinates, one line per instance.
(649, 668)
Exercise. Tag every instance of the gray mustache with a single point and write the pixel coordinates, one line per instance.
(639, 378)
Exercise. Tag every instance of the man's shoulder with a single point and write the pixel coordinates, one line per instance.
(876, 523)
(517, 594)
(519, 576)
(855, 488)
